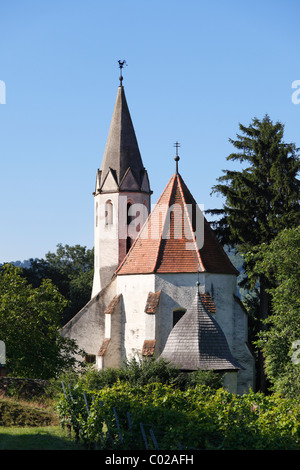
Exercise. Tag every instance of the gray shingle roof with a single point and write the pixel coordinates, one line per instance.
(122, 150)
(198, 342)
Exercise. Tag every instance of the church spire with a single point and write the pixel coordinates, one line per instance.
(122, 186)
(122, 151)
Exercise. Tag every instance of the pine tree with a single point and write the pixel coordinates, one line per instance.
(263, 197)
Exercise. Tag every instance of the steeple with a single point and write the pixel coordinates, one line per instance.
(122, 151)
(122, 184)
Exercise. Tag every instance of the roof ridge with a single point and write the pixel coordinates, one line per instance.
(163, 224)
(190, 224)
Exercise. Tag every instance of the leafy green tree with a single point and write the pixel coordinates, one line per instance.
(71, 269)
(280, 262)
(30, 320)
(261, 199)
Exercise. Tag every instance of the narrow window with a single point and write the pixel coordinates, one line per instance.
(108, 213)
(129, 220)
(90, 359)
(129, 217)
(97, 214)
(177, 314)
(128, 243)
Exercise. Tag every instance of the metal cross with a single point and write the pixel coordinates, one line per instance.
(177, 156)
(177, 144)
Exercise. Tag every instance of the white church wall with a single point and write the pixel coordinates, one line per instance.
(110, 238)
(88, 326)
(135, 290)
(241, 350)
(221, 288)
(113, 331)
(150, 325)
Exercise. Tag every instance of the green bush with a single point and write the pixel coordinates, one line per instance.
(144, 372)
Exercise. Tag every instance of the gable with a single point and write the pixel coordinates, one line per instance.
(128, 182)
(145, 184)
(109, 183)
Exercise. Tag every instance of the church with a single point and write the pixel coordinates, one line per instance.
(163, 285)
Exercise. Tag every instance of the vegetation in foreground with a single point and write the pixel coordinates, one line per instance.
(198, 418)
(106, 409)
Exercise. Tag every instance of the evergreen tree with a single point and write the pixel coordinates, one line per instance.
(262, 198)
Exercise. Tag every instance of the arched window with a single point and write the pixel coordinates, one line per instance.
(129, 217)
(97, 214)
(109, 213)
(129, 240)
(177, 314)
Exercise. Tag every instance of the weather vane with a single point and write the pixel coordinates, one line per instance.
(177, 156)
(121, 65)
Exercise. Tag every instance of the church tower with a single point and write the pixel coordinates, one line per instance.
(122, 197)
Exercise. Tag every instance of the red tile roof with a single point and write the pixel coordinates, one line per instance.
(112, 305)
(104, 347)
(152, 302)
(161, 246)
(208, 303)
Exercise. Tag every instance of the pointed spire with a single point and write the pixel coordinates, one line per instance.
(122, 150)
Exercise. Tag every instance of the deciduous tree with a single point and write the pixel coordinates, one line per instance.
(30, 320)
(280, 263)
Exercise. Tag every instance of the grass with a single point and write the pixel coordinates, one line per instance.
(36, 438)
(22, 414)
(28, 425)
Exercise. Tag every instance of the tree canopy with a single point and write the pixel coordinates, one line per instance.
(262, 198)
(280, 262)
(71, 269)
(30, 320)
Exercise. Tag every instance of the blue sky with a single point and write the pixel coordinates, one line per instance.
(195, 70)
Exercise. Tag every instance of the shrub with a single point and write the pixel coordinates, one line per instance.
(143, 372)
